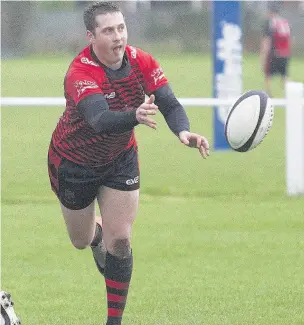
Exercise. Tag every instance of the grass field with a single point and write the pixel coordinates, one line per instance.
(215, 242)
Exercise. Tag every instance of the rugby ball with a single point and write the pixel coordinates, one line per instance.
(249, 120)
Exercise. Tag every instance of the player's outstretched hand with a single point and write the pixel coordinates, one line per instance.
(194, 140)
(145, 110)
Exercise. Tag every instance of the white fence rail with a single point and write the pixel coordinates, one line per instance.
(294, 104)
(187, 102)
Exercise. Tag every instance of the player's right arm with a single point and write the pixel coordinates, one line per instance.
(96, 112)
(93, 106)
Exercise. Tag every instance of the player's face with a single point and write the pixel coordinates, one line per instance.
(110, 38)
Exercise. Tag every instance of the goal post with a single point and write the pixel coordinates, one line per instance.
(294, 93)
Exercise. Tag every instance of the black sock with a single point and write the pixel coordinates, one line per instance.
(98, 235)
(117, 275)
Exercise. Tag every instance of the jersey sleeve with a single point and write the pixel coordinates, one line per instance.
(79, 84)
(154, 76)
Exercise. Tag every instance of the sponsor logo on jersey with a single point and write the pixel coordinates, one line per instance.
(133, 52)
(88, 61)
(157, 75)
(83, 85)
(110, 96)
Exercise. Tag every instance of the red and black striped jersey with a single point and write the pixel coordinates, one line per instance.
(278, 30)
(124, 90)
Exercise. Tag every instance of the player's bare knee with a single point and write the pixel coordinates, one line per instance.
(121, 248)
(80, 243)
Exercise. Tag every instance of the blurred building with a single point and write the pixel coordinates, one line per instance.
(29, 27)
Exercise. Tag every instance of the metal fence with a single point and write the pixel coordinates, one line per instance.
(31, 27)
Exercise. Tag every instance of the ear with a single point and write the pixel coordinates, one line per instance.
(90, 36)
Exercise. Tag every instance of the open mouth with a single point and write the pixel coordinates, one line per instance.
(117, 49)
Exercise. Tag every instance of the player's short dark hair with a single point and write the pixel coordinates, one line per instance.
(274, 7)
(95, 9)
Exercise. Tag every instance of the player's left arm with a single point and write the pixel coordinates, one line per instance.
(157, 84)
(177, 120)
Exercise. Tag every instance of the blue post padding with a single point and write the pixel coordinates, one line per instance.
(227, 62)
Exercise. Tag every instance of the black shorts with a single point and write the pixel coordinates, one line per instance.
(277, 65)
(76, 186)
